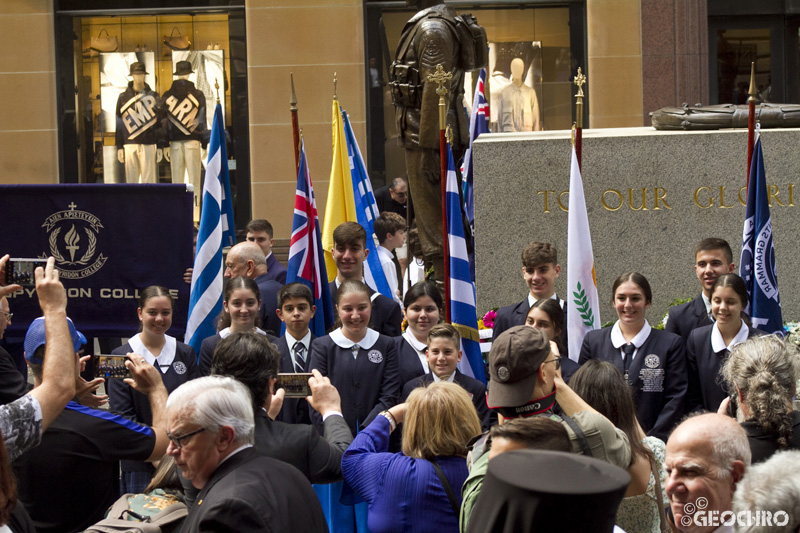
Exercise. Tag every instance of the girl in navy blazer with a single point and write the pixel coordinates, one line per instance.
(241, 308)
(547, 316)
(421, 304)
(175, 361)
(360, 362)
(652, 361)
(708, 347)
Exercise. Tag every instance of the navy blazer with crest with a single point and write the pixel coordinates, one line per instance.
(657, 376)
(294, 410)
(684, 318)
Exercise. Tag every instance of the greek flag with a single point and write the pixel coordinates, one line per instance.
(463, 313)
(366, 210)
(306, 259)
(757, 264)
(216, 231)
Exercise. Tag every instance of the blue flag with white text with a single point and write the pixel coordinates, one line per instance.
(306, 258)
(757, 265)
(216, 232)
(463, 312)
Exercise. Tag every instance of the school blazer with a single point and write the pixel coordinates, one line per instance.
(706, 387)
(408, 362)
(386, 314)
(475, 389)
(514, 315)
(657, 375)
(682, 319)
(367, 384)
(294, 410)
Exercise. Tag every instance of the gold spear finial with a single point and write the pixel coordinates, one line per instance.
(335, 82)
(448, 134)
(752, 92)
(293, 99)
(216, 86)
(579, 80)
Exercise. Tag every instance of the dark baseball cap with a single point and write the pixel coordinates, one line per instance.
(35, 337)
(514, 361)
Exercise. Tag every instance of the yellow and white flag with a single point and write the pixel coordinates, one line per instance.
(583, 305)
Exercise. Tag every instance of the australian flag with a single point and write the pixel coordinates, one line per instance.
(757, 264)
(478, 123)
(306, 260)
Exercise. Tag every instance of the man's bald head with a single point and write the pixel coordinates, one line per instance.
(245, 259)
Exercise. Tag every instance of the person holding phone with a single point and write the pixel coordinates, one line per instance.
(175, 361)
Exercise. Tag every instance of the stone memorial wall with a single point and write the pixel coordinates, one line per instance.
(650, 196)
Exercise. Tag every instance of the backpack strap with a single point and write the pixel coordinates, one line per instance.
(585, 449)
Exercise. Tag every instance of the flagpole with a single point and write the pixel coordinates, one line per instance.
(579, 80)
(295, 126)
(440, 77)
(751, 118)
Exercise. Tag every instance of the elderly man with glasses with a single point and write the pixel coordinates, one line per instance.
(210, 428)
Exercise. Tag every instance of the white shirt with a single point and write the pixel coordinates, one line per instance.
(532, 300)
(223, 333)
(389, 270)
(164, 359)
(419, 347)
(305, 341)
(369, 340)
(718, 344)
(618, 340)
(451, 379)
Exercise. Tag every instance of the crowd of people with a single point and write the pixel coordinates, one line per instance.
(685, 428)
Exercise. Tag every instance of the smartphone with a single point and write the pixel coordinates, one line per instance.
(111, 366)
(295, 385)
(19, 270)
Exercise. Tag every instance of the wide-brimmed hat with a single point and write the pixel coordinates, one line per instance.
(138, 68)
(182, 68)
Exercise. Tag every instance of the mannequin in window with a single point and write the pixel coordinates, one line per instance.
(139, 114)
(519, 108)
(186, 130)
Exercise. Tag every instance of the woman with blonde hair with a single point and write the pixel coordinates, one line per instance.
(420, 488)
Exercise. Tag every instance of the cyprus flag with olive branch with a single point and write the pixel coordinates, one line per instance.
(583, 305)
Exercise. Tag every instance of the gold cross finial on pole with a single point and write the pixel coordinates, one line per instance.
(335, 82)
(440, 77)
(448, 134)
(580, 79)
(216, 86)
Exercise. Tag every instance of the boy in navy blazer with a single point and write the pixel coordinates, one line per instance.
(540, 269)
(260, 232)
(444, 354)
(296, 311)
(713, 257)
(349, 252)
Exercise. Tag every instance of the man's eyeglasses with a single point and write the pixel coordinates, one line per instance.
(178, 440)
(8, 315)
(556, 360)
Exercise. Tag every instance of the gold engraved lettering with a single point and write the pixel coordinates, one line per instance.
(722, 198)
(743, 190)
(642, 207)
(546, 200)
(661, 195)
(619, 197)
(791, 195)
(773, 194)
(697, 202)
(561, 205)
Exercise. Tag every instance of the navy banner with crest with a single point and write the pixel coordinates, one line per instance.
(109, 242)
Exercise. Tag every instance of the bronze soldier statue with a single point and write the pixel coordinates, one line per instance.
(436, 35)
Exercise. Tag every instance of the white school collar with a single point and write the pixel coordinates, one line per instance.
(227, 331)
(167, 352)
(618, 340)
(367, 342)
(532, 300)
(718, 344)
(305, 341)
(420, 347)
